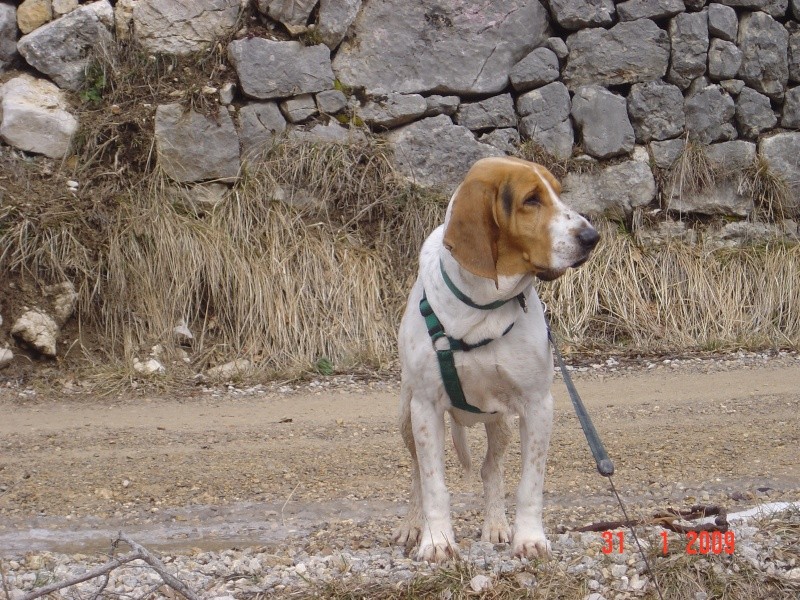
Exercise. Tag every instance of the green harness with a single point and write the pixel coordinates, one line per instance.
(447, 364)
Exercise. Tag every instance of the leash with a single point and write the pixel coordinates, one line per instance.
(604, 464)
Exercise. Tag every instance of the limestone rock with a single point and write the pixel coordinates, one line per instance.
(558, 141)
(37, 330)
(439, 47)
(754, 113)
(64, 299)
(603, 120)
(782, 154)
(195, 147)
(540, 67)
(298, 109)
(441, 105)
(577, 14)
(630, 52)
(183, 335)
(329, 132)
(435, 153)
(722, 22)
(61, 48)
(656, 111)
(764, 44)
(335, 18)
(743, 233)
(776, 8)
(613, 192)
(260, 124)
(393, 110)
(8, 36)
(35, 117)
(123, 19)
(667, 152)
(708, 115)
(269, 70)
(724, 60)
(688, 33)
(6, 356)
(506, 139)
(149, 367)
(728, 161)
(649, 9)
(545, 119)
(748, 4)
(733, 86)
(230, 370)
(790, 119)
(32, 14)
(331, 102)
(558, 46)
(293, 14)
(62, 7)
(183, 26)
(492, 113)
(200, 198)
(794, 56)
(666, 232)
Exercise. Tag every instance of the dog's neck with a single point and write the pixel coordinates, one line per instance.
(480, 289)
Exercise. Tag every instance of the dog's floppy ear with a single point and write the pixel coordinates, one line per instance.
(472, 232)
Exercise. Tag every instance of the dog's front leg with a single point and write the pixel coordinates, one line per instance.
(534, 428)
(437, 541)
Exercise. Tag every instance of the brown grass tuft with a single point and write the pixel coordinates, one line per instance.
(770, 192)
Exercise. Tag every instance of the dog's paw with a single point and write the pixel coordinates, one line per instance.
(407, 534)
(496, 531)
(436, 553)
(531, 546)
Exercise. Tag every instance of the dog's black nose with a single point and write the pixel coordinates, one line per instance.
(588, 237)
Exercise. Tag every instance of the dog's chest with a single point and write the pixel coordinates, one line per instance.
(502, 379)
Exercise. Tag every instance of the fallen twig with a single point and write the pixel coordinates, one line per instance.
(90, 574)
(668, 520)
(160, 568)
(139, 553)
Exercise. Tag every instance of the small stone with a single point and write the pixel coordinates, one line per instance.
(227, 93)
(32, 14)
(6, 356)
(149, 367)
(480, 583)
(331, 102)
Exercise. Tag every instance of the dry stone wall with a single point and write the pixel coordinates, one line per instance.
(617, 88)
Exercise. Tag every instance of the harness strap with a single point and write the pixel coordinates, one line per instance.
(471, 303)
(447, 363)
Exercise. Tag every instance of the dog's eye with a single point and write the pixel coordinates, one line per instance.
(532, 200)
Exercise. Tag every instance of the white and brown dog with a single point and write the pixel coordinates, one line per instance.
(504, 226)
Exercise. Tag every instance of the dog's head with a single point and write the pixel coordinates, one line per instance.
(507, 218)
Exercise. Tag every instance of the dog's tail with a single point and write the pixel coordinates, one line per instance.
(459, 433)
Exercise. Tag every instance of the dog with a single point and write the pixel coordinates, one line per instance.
(505, 225)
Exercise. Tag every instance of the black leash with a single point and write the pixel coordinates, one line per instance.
(604, 465)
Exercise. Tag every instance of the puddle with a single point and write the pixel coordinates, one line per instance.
(208, 528)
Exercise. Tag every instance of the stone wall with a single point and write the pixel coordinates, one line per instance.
(615, 89)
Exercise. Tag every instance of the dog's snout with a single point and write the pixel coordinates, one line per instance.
(588, 237)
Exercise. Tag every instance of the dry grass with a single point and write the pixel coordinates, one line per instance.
(691, 173)
(323, 274)
(680, 297)
(770, 192)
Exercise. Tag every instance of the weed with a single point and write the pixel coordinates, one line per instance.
(770, 192)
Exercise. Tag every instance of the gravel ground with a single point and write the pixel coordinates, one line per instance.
(279, 489)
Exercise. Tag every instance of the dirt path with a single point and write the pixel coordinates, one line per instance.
(215, 468)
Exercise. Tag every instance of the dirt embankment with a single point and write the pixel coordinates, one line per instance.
(216, 468)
